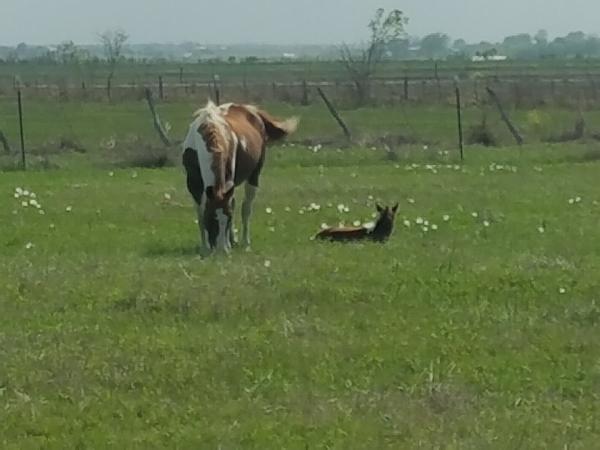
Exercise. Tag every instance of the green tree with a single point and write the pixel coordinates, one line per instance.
(363, 65)
(112, 42)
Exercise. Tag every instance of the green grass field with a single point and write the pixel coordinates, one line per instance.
(115, 333)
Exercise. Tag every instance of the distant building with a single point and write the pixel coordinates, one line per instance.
(480, 58)
(289, 56)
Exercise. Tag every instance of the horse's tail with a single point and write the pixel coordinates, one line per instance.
(276, 128)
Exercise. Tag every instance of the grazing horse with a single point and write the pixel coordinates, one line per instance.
(225, 147)
(380, 233)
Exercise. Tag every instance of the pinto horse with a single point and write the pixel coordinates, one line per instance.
(380, 233)
(224, 148)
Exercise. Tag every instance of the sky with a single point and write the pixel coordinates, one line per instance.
(283, 21)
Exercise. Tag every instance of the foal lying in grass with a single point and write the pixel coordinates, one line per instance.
(380, 233)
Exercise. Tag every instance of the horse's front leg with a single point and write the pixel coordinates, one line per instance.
(249, 196)
(202, 226)
(232, 238)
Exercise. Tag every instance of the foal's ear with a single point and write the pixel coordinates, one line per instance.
(395, 208)
(379, 207)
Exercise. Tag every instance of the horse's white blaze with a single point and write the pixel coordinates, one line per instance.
(223, 236)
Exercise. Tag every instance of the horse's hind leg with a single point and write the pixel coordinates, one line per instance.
(249, 196)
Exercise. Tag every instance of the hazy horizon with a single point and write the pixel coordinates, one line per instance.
(284, 22)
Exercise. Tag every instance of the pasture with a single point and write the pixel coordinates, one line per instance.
(475, 326)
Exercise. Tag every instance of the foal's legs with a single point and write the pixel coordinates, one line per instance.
(250, 195)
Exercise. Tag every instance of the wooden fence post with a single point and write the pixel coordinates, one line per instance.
(461, 144)
(22, 132)
(305, 100)
(217, 85)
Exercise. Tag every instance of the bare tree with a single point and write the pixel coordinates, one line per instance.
(363, 65)
(113, 42)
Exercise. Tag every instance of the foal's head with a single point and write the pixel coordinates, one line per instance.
(385, 222)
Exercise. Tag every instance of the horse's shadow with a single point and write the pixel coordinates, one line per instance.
(164, 250)
(161, 250)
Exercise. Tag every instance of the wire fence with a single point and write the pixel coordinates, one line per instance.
(528, 92)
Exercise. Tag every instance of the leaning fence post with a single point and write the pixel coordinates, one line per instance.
(505, 117)
(156, 120)
(20, 102)
(335, 114)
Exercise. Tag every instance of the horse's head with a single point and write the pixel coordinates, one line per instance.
(385, 222)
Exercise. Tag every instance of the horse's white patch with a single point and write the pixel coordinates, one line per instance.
(195, 141)
(225, 107)
(243, 143)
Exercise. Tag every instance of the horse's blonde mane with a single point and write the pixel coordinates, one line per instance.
(211, 114)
